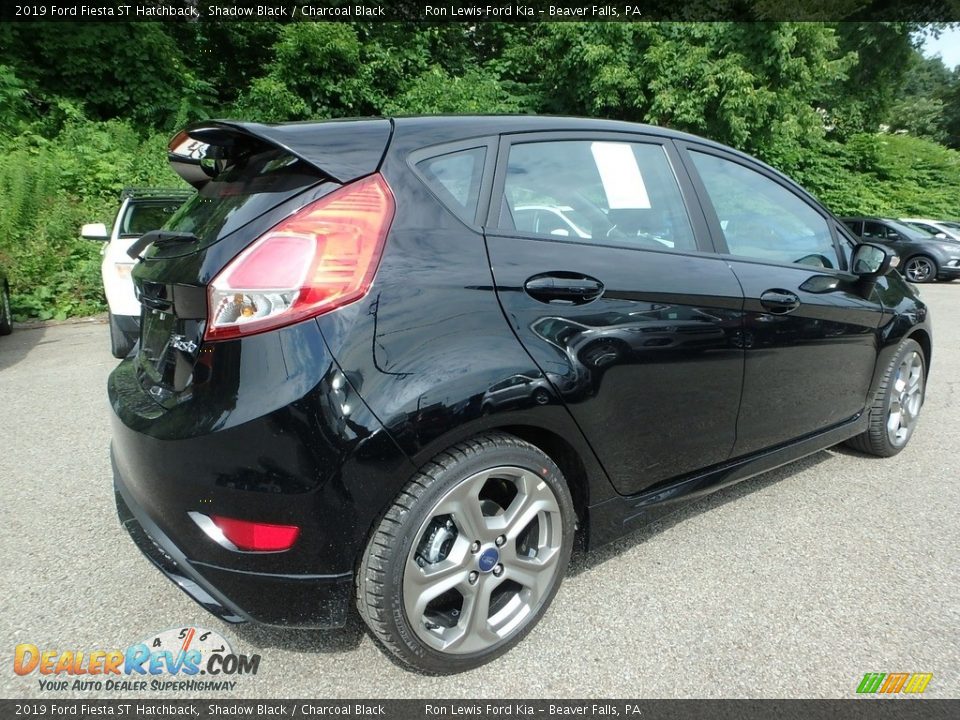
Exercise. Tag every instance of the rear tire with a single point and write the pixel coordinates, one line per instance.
(120, 342)
(469, 556)
(6, 312)
(896, 406)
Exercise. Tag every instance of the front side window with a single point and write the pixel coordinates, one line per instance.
(848, 241)
(601, 192)
(761, 219)
(875, 231)
(892, 231)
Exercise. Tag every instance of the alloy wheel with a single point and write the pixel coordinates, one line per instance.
(906, 397)
(484, 560)
(919, 269)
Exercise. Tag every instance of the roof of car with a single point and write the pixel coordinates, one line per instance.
(466, 126)
(530, 123)
(299, 137)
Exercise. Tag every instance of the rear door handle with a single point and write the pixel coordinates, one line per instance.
(565, 288)
(779, 302)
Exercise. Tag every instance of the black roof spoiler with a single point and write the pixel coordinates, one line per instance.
(343, 150)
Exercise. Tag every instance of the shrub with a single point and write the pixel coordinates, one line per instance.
(48, 189)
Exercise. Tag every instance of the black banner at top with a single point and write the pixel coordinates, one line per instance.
(223, 709)
(465, 11)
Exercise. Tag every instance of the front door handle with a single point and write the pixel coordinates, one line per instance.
(562, 287)
(779, 302)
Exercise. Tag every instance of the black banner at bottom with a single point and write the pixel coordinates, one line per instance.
(867, 709)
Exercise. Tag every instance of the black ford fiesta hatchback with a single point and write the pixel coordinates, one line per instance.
(403, 363)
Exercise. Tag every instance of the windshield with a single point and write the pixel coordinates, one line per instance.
(142, 217)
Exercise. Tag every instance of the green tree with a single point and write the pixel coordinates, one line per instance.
(130, 70)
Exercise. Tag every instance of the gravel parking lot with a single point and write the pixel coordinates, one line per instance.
(793, 584)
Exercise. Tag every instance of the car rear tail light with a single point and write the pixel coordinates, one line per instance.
(255, 536)
(321, 258)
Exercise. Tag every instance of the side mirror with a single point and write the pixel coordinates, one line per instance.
(872, 261)
(941, 235)
(95, 231)
(560, 232)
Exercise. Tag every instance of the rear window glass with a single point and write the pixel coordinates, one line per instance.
(242, 192)
(455, 178)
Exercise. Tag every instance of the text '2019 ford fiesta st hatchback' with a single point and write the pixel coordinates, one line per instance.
(364, 377)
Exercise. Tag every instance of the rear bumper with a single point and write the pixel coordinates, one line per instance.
(274, 434)
(238, 597)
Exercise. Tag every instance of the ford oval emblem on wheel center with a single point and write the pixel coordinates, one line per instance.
(488, 560)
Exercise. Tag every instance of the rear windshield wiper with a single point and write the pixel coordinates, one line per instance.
(159, 237)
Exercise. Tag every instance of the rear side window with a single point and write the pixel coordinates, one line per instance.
(603, 192)
(762, 219)
(455, 178)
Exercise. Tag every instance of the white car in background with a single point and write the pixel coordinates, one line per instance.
(946, 228)
(140, 211)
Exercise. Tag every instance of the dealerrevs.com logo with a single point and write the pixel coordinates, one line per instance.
(182, 659)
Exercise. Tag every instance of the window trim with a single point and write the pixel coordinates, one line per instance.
(687, 147)
(688, 196)
(489, 144)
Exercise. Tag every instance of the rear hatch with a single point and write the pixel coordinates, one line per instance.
(249, 178)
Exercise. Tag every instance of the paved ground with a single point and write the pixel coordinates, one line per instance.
(792, 584)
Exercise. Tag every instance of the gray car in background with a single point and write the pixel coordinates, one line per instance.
(923, 256)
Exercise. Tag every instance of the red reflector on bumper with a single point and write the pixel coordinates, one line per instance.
(257, 537)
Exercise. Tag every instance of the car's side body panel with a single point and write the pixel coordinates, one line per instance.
(428, 342)
(832, 325)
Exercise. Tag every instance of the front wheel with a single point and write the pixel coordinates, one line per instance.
(896, 407)
(920, 269)
(469, 556)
